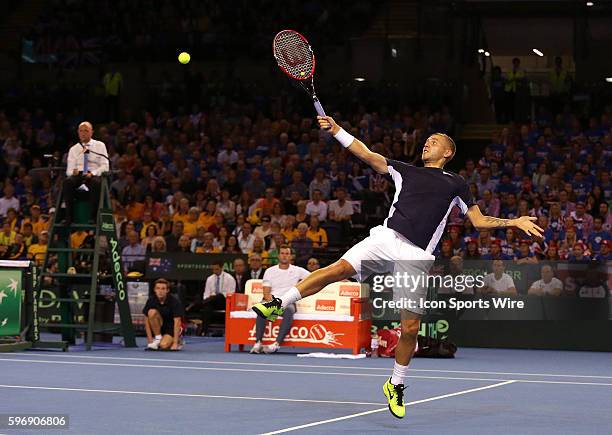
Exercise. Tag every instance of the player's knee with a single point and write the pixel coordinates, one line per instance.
(152, 313)
(410, 329)
(341, 269)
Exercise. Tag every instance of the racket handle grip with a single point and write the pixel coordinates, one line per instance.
(318, 107)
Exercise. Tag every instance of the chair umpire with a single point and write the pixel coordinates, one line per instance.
(87, 161)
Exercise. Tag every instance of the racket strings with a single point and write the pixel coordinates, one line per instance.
(293, 55)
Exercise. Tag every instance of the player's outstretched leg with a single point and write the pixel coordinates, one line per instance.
(394, 387)
(318, 279)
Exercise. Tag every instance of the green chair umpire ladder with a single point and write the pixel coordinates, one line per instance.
(81, 289)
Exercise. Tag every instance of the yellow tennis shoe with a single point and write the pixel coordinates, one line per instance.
(395, 396)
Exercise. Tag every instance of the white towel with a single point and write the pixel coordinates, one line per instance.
(331, 355)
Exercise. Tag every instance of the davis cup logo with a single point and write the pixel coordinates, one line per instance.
(317, 334)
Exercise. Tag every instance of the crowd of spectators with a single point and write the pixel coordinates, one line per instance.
(244, 182)
(556, 169)
(206, 182)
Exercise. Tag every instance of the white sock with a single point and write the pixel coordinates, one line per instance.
(399, 373)
(158, 337)
(291, 296)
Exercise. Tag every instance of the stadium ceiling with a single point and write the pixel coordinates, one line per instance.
(540, 8)
(516, 27)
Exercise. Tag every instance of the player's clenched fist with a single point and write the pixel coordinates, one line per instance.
(328, 123)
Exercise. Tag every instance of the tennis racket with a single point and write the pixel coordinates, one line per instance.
(296, 59)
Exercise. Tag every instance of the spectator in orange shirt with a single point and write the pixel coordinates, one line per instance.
(259, 248)
(11, 218)
(288, 231)
(37, 251)
(134, 210)
(267, 203)
(204, 243)
(38, 223)
(317, 234)
(190, 226)
(77, 238)
(182, 214)
(147, 221)
(207, 218)
(28, 236)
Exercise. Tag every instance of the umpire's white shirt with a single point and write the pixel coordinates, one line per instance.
(282, 280)
(96, 164)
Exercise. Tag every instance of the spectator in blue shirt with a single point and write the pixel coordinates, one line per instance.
(496, 252)
(605, 253)
(598, 235)
(509, 209)
(581, 186)
(506, 186)
(577, 255)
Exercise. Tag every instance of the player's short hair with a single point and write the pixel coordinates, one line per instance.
(162, 281)
(451, 144)
(284, 246)
(217, 263)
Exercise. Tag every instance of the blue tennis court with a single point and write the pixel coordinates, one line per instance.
(204, 390)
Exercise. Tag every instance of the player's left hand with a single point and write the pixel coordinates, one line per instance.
(527, 225)
(328, 123)
(174, 346)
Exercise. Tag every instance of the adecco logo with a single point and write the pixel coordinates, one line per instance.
(317, 333)
(257, 287)
(325, 305)
(351, 291)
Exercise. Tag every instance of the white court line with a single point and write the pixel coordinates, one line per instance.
(300, 372)
(468, 372)
(359, 414)
(206, 396)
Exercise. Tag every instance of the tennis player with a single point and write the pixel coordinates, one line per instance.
(424, 197)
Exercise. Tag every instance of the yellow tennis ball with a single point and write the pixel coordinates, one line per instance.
(184, 58)
(302, 73)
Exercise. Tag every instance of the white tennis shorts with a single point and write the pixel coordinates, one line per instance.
(386, 251)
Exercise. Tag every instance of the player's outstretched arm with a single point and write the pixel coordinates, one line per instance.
(524, 223)
(354, 145)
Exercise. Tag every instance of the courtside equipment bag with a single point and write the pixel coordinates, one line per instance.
(429, 347)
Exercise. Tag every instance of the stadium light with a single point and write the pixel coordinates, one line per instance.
(538, 52)
(589, 4)
(609, 79)
(393, 52)
(480, 50)
(359, 79)
(487, 53)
